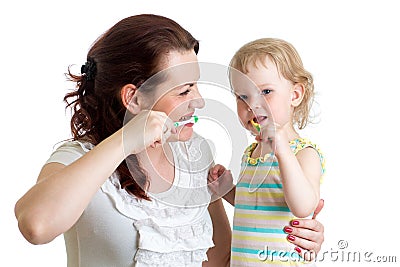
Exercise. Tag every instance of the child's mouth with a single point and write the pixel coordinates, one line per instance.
(259, 119)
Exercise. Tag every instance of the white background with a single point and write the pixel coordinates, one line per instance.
(351, 48)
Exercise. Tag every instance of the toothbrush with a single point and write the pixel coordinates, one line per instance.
(193, 119)
(256, 125)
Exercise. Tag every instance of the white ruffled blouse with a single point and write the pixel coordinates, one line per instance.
(173, 229)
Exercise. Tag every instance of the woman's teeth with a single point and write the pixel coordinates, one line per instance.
(185, 118)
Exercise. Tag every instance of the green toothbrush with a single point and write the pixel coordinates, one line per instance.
(193, 119)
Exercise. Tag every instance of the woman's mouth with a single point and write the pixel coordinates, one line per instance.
(185, 118)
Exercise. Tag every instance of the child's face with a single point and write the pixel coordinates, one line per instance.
(264, 95)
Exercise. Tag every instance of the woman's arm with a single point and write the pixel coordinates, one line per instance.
(62, 193)
(219, 255)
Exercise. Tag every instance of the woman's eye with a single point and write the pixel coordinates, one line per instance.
(187, 91)
(242, 97)
(265, 91)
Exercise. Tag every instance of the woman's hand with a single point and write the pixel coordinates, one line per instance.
(307, 234)
(147, 129)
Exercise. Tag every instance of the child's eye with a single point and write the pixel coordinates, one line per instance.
(265, 91)
(242, 97)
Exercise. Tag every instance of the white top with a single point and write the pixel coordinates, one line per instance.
(118, 229)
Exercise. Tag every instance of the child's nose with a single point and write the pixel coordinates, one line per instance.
(255, 102)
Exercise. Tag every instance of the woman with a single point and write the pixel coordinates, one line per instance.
(122, 193)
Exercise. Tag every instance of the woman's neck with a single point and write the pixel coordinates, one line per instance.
(159, 165)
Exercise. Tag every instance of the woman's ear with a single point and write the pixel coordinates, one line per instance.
(129, 98)
(297, 94)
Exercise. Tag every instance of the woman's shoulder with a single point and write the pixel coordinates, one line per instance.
(68, 151)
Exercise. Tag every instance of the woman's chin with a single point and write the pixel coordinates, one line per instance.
(184, 134)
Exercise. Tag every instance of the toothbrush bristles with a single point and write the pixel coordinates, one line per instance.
(193, 119)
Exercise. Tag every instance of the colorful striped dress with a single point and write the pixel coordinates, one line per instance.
(261, 213)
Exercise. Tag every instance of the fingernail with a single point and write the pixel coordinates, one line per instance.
(291, 237)
(287, 229)
(295, 222)
(298, 250)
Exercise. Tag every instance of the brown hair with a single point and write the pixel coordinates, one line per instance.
(130, 52)
(289, 64)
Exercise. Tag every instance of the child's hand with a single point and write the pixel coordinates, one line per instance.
(275, 136)
(220, 180)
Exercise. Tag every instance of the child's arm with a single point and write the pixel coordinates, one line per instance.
(300, 176)
(300, 173)
(220, 254)
(220, 182)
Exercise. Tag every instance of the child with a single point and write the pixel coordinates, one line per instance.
(281, 172)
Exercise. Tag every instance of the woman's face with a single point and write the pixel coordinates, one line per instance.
(178, 96)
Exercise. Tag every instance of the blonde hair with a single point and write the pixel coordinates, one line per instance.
(288, 63)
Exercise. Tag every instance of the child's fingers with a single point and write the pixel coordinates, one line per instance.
(213, 186)
(219, 167)
(221, 172)
(212, 177)
(217, 171)
(226, 173)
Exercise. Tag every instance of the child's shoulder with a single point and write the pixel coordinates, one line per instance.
(299, 144)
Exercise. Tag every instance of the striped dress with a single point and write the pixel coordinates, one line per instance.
(261, 213)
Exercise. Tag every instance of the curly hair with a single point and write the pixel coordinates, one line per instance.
(130, 52)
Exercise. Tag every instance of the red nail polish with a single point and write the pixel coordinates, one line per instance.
(298, 250)
(287, 229)
(291, 237)
(295, 222)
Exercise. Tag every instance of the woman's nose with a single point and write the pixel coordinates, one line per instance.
(197, 100)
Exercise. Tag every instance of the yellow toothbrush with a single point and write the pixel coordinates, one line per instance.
(256, 125)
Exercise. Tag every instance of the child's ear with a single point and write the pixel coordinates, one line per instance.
(129, 98)
(297, 94)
